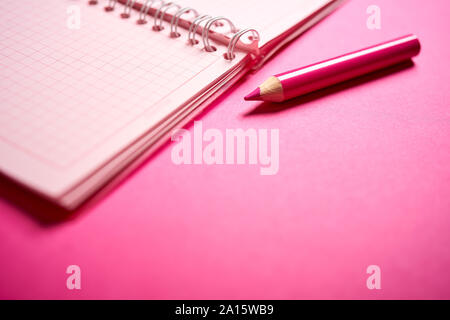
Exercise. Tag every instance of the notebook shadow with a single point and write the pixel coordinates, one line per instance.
(270, 107)
(48, 214)
(23, 199)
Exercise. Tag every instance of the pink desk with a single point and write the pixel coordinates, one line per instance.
(364, 179)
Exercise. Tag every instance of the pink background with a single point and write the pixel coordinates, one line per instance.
(364, 179)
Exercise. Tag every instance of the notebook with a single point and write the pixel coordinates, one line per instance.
(90, 88)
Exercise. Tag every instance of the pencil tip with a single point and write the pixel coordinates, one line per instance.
(254, 95)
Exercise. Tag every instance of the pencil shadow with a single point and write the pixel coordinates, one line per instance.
(270, 107)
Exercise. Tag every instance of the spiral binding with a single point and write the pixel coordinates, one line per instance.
(162, 9)
(128, 8)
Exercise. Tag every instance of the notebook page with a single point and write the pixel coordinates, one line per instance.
(269, 17)
(73, 98)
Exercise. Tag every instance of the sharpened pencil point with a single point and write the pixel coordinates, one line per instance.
(254, 95)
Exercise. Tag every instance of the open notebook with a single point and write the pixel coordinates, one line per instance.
(90, 88)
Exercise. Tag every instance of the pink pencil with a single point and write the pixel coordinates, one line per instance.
(298, 82)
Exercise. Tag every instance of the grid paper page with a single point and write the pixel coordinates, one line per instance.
(78, 74)
(66, 93)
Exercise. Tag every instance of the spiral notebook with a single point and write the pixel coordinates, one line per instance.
(90, 88)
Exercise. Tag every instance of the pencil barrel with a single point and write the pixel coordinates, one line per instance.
(326, 73)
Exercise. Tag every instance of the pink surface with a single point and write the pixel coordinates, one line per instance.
(364, 180)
